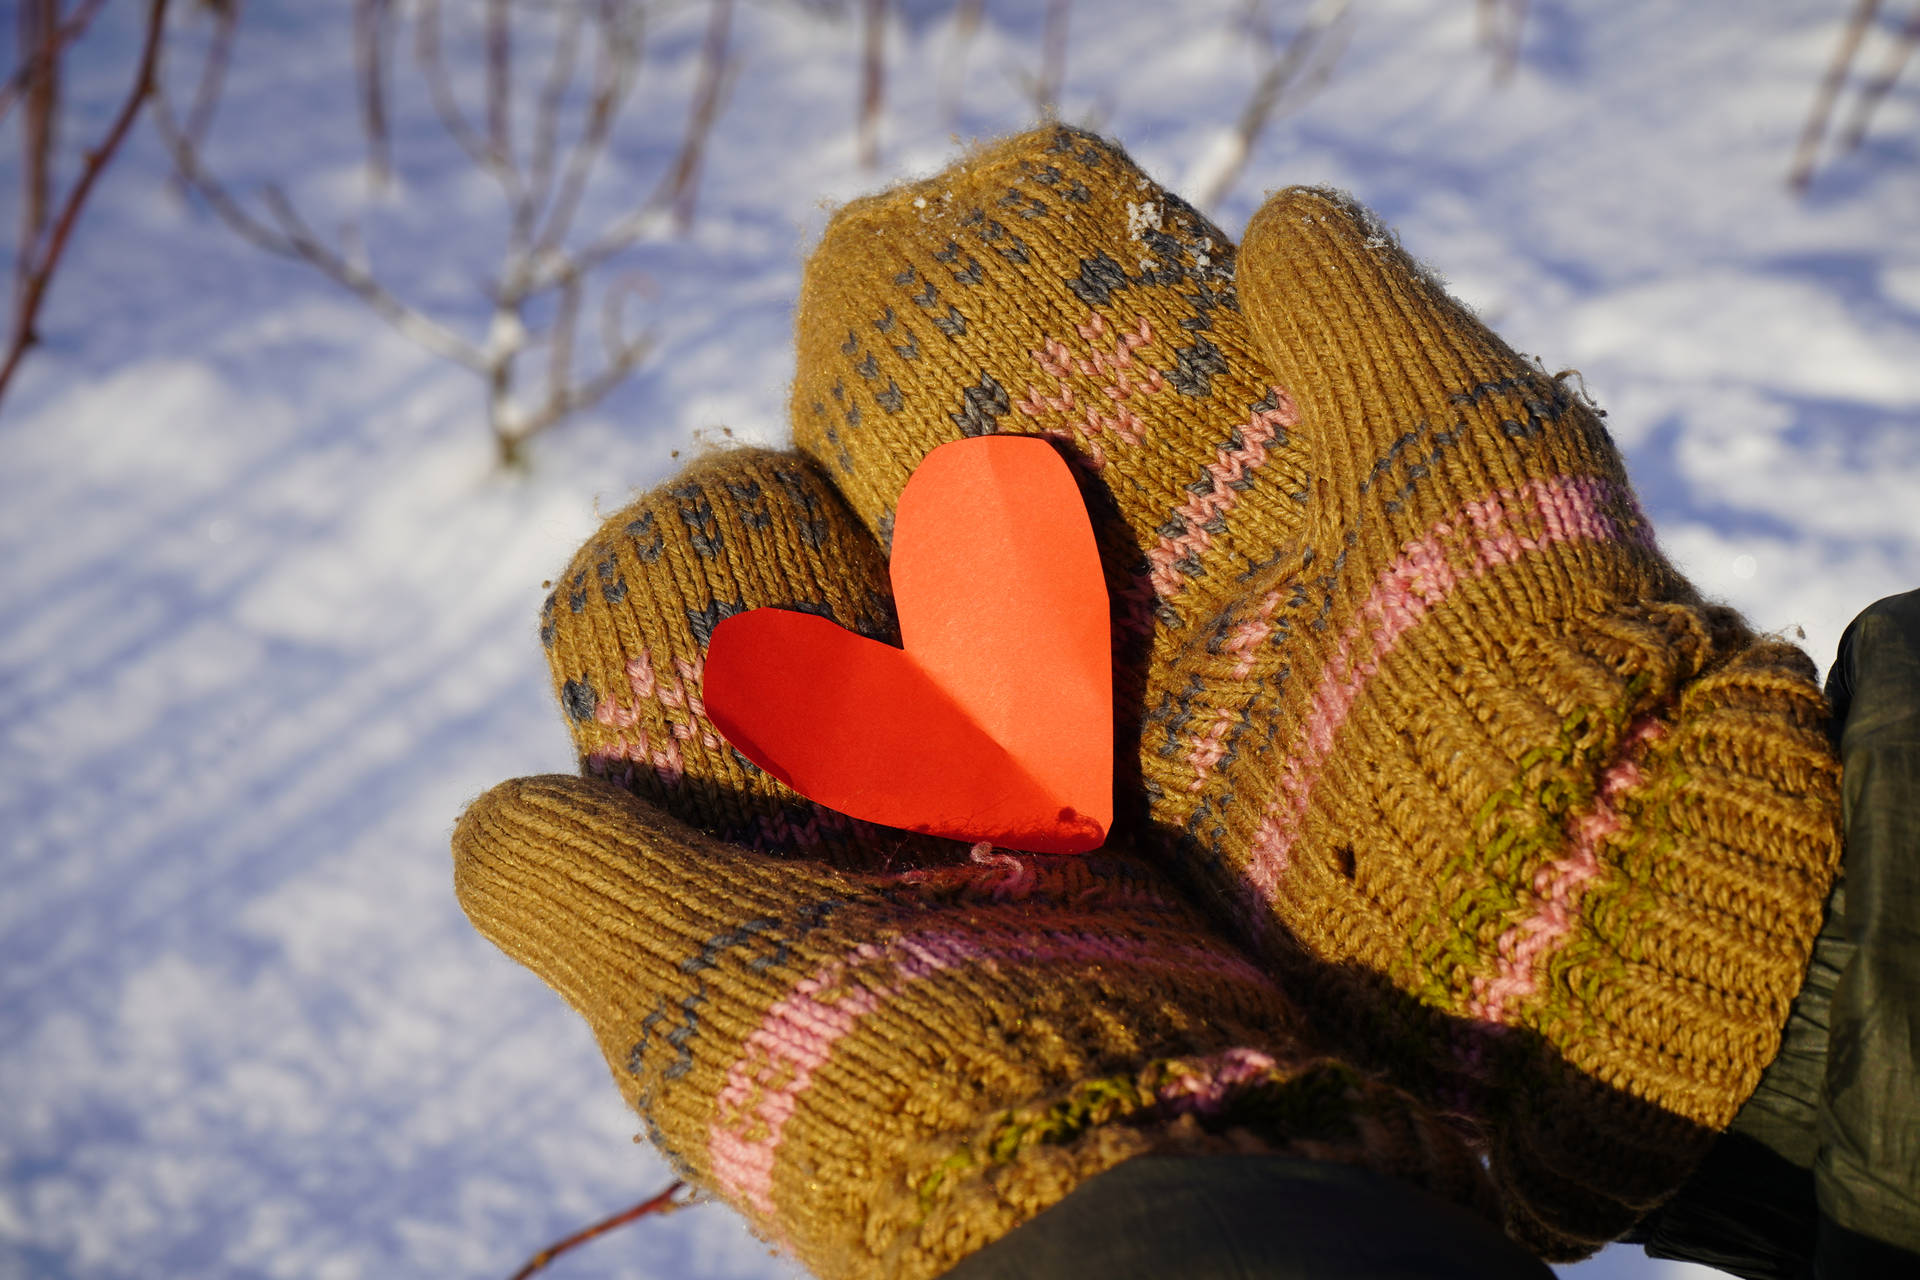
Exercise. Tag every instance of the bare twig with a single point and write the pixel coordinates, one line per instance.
(307, 246)
(547, 268)
(1877, 88)
(426, 52)
(512, 428)
(566, 318)
(213, 72)
(1501, 24)
(39, 29)
(546, 126)
(662, 1204)
(570, 401)
(681, 185)
(873, 78)
(543, 200)
(500, 84)
(1808, 150)
(1053, 58)
(293, 238)
(48, 259)
(552, 270)
(1291, 75)
(370, 21)
(613, 331)
(966, 25)
(47, 52)
(619, 47)
(190, 171)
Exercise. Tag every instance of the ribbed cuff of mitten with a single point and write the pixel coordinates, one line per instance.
(885, 1074)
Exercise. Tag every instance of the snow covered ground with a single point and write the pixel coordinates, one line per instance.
(267, 606)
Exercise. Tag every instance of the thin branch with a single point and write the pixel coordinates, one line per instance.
(873, 78)
(1306, 51)
(370, 19)
(613, 335)
(548, 271)
(662, 1204)
(546, 125)
(953, 71)
(511, 429)
(1808, 150)
(1508, 57)
(423, 329)
(24, 335)
(39, 27)
(560, 346)
(575, 399)
(69, 31)
(533, 262)
(506, 337)
(426, 52)
(1877, 88)
(681, 185)
(1501, 24)
(293, 238)
(613, 80)
(500, 84)
(1053, 57)
(213, 73)
(547, 267)
(186, 162)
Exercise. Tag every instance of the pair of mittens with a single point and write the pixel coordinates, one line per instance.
(1407, 703)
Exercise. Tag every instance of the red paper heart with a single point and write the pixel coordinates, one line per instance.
(995, 720)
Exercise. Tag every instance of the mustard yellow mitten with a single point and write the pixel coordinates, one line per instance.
(1045, 285)
(885, 1053)
(1407, 693)
(626, 630)
(1545, 835)
(885, 1072)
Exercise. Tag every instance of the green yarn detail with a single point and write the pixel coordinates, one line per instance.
(1601, 955)
(1517, 829)
(929, 1188)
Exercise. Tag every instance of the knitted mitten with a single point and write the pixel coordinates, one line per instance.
(884, 1057)
(1550, 835)
(626, 633)
(886, 1072)
(1046, 286)
(1553, 856)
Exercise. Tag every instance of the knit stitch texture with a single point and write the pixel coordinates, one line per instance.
(1544, 834)
(1045, 285)
(884, 1073)
(884, 1051)
(1416, 706)
(1409, 700)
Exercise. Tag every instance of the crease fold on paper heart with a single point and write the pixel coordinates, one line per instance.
(994, 720)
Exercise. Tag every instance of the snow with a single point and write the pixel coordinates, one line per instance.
(267, 604)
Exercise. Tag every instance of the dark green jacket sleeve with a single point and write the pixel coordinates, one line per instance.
(1819, 1175)
(1867, 1171)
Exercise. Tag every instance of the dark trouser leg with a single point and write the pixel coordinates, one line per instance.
(1250, 1218)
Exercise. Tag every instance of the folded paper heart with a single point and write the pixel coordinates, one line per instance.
(994, 720)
